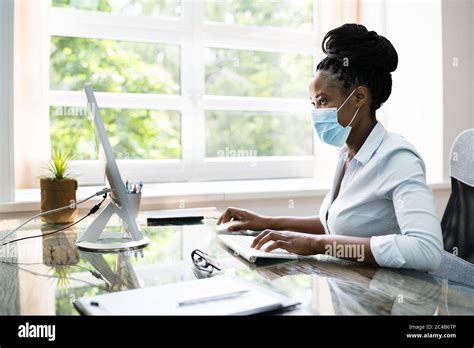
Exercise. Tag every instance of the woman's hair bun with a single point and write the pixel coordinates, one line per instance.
(358, 56)
(354, 44)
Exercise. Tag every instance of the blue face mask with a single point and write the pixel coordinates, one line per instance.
(328, 128)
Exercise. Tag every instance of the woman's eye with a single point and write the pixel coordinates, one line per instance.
(322, 101)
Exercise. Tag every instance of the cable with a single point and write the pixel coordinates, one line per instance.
(70, 206)
(92, 211)
(94, 273)
(70, 278)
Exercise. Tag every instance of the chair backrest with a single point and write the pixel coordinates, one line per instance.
(462, 158)
(458, 219)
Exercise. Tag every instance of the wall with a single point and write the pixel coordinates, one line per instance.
(31, 74)
(415, 107)
(458, 71)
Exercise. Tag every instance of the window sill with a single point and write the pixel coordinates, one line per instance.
(188, 193)
(196, 194)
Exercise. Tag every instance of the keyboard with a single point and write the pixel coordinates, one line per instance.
(241, 246)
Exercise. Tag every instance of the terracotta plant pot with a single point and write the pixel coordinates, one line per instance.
(57, 194)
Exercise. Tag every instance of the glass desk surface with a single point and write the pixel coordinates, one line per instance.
(46, 275)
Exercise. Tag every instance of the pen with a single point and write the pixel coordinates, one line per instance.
(211, 298)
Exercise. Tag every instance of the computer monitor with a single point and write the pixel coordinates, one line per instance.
(120, 204)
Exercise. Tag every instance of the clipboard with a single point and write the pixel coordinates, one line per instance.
(165, 299)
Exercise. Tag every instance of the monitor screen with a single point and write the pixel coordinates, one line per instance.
(118, 193)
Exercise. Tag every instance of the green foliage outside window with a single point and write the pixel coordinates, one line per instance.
(143, 67)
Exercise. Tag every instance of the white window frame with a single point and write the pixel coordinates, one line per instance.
(7, 171)
(193, 34)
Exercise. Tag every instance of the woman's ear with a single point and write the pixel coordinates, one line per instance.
(362, 96)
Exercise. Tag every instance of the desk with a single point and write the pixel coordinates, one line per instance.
(45, 275)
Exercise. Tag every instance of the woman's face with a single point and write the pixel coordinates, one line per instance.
(325, 91)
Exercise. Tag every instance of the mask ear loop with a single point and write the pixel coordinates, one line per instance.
(345, 101)
(354, 117)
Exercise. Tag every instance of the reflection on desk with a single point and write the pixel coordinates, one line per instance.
(45, 275)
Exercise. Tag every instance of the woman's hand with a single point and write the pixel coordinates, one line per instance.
(294, 242)
(250, 220)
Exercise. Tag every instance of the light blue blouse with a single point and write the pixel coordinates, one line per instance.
(384, 196)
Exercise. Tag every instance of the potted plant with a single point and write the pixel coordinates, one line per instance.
(58, 189)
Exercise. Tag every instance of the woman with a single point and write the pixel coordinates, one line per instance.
(379, 210)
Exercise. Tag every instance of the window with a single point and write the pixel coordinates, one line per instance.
(290, 14)
(238, 139)
(128, 7)
(194, 90)
(114, 66)
(189, 90)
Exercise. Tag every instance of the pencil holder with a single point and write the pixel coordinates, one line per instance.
(135, 200)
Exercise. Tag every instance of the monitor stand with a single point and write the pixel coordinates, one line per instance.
(117, 241)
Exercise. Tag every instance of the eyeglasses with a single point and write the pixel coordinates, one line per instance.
(202, 262)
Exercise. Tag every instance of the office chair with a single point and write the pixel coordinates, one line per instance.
(457, 223)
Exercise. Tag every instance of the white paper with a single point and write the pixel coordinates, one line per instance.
(164, 300)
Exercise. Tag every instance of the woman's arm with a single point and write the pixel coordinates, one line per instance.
(344, 247)
(253, 221)
(419, 244)
(306, 224)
